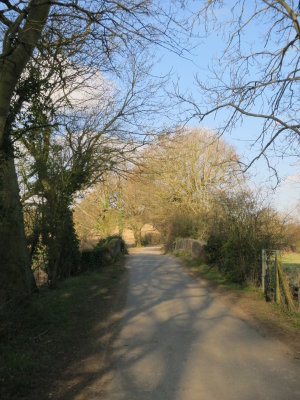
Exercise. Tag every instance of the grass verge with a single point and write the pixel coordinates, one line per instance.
(37, 340)
(272, 319)
(209, 272)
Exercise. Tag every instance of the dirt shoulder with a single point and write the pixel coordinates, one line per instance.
(249, 304)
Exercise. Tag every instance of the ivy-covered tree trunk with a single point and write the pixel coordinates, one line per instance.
(62, 243)
(137, 233)
(16, 278)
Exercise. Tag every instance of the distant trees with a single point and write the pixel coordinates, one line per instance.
(175, 184)
(186, 171)
(196, 164)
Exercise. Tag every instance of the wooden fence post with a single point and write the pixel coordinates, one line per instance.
(286, 289)
(276, 276)
(263, 269)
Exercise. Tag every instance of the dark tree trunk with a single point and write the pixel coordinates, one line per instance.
(137, 233)
(16, 276)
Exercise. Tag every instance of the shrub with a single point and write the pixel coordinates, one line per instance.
(151, 239)
(240, 229)
(184, 225)
(105, 252)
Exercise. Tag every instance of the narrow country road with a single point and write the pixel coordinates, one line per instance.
(178, 341)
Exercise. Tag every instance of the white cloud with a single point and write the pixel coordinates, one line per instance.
(85, 90)
(291, 184)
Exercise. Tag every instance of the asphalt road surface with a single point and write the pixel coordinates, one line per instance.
(178, 341)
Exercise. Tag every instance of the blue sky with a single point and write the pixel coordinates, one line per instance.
(287, 194)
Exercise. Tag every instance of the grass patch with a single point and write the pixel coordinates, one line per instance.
(35, 337)
(210, 272)
(291, 261)
(291, 267)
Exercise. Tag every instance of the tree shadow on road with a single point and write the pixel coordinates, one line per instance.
(174, 340)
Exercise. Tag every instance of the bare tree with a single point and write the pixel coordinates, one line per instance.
(179, 178)
(189, 166)
(90, 132)
(257, 76)
(96, 34)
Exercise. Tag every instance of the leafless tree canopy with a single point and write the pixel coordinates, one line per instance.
(257, 75)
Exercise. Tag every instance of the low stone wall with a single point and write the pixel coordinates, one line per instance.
(191, 246)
